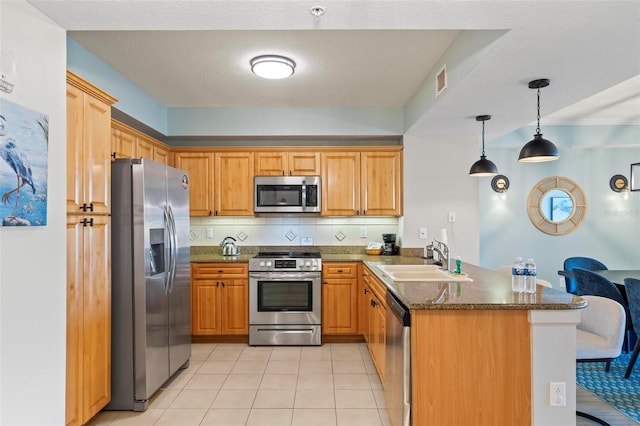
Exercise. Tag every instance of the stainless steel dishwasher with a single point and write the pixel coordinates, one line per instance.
(397, 386)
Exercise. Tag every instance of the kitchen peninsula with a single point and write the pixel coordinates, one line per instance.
(483, 355)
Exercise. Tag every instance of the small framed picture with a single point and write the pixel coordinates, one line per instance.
(635, 177)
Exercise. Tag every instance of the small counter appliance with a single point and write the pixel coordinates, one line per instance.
(389, 248)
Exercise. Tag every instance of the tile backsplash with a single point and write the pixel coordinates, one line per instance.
(292, 231)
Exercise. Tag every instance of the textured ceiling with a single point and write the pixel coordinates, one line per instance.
(372, 54)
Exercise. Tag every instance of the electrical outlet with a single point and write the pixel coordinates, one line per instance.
(423, 233)
(558, 394)
(363, 232)
(209, 232)
(451, 217)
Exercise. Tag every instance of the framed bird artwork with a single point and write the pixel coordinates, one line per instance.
(24, 141)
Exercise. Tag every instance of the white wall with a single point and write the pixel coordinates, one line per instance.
(33, 260)
(589, 155)
(437, 181)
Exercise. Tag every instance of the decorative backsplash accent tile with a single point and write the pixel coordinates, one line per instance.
(291, 235)
(340, 236)
(242, 236)
(193, 235)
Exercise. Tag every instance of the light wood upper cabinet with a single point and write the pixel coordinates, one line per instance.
(199, 166)
(340, 183)
(380, 179)
(88, 148)
(340, 298)
(233, 184)
(123, 145)
(276, 163)
(367, 183)
(161, 155)
(144, 149)
(220, 299)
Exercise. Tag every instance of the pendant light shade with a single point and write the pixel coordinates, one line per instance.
(538, 149)
(483, 167)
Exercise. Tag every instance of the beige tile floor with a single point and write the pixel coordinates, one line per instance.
(235, 384)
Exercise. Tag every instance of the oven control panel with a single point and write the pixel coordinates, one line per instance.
(285, 265)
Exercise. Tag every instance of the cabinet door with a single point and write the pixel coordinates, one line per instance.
(144, 149)
(270, 163)
(97, 159)
(161, 155)
(340, 183)
(74, 384)
(340, 307)
(205, 306)
(75, 152)
(364, 301)
(235, 306)
(234, 184)
(123, 145)
(96, 316)
(378, 336)
(199, 165)
(380, 179)
(304, 163)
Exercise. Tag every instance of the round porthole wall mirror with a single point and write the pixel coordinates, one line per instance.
(557, 205)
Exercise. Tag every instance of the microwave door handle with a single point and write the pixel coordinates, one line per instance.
(304, 194)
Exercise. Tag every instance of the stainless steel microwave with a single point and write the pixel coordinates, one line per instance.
(286, 194)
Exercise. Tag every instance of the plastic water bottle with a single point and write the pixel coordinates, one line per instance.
(530, 274)
(517, 276)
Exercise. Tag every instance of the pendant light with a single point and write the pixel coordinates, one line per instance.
(538, 149)
(483, 167)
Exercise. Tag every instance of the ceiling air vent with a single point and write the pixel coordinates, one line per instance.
(441, 80)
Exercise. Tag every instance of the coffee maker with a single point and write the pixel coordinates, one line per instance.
(389, 248)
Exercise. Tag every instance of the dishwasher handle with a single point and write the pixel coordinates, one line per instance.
(399, 310)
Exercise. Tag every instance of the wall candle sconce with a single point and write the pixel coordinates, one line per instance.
(619, 183)
(500, 184)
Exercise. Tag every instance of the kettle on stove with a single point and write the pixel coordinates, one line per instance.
(228, 246)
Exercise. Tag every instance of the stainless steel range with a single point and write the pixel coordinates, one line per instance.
(285, 298)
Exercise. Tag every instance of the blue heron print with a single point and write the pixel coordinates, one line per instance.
(24, 136)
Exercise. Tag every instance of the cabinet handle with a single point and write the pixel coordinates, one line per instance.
(220, 271)
(113, 155)
(357, 212)
(222, 282)
(216, 213)
(217, 283)
(324, 282)
(209, 212)
(91, 208)
(283, 173)
(340, 271)
(87, 222)
(290, 173)
(373, 303)
(366, 291)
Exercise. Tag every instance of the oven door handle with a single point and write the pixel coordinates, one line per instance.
(286, 276)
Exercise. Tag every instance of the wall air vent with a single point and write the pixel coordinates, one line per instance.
(441, 80)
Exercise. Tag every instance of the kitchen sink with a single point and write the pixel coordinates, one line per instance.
(421, 273)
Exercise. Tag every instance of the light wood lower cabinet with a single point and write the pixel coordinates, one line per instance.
(339, 298)
(88, 387)
(219, 299)
(374, 304)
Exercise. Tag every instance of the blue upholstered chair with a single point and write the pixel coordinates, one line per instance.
(580, 262)
(632, 287)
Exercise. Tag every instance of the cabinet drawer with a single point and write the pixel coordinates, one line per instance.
(339, 270)
(217, 270)
(377, 287)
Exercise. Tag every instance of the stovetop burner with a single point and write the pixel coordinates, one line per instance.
(288, 254)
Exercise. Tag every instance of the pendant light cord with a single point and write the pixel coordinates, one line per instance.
(483, 138)
(538, 128)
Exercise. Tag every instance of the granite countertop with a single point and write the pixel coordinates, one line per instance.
(489, 290)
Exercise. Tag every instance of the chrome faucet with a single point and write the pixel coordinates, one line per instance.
(445, 256)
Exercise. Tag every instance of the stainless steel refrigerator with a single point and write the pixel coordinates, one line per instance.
(151, 279)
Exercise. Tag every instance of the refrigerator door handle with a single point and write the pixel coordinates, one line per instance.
(174, 247)
(167, 227)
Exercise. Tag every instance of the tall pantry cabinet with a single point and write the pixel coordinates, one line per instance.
(88, 385)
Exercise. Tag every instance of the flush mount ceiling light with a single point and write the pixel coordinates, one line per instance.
(538, 149)
(273, 67)
(483, 167)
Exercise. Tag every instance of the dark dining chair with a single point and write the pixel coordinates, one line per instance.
(590, 283)
(580, 262)
(632, 287)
